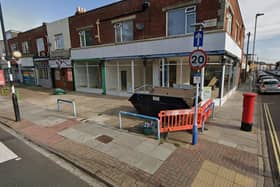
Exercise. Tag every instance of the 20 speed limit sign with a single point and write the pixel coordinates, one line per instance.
(198, 59)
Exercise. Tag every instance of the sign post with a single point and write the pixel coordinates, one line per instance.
(197, 59)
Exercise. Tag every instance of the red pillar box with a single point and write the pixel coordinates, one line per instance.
(248, 111)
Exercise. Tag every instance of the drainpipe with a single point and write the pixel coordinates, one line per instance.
(98, 30)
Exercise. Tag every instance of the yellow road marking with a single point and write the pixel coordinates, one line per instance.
(273, 136)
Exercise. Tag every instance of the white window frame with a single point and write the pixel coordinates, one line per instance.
(59, 41)
(40, 45)
(119, 24)
(25, 47)
(229, 22)
(83, 43)
(189, 10)
(13, 47)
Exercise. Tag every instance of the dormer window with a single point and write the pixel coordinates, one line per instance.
(124, 31)
(180, 20)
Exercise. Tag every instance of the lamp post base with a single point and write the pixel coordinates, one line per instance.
(16, 107)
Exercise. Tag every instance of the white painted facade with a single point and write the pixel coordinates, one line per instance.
(167, 64)
(213, 42)
(59, 27)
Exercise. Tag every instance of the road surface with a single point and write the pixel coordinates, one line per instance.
(270, 107)
(20, 165)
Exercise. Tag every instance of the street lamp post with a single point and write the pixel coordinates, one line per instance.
(255, 33)
(8, 58)
(247, 54)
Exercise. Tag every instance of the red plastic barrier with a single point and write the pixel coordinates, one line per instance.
(177, 120)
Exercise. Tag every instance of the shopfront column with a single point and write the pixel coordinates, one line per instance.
(118, 76)
(163, 72)
(132, 76)
(222, 83)
(181, 70)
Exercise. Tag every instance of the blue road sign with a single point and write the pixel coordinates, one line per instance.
(198, 39)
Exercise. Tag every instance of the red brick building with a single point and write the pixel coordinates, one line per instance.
(133, 45)
(33, 67)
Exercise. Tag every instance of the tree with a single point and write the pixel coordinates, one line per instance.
(277, 65)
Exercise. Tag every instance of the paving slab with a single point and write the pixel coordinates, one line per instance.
(75, 135)
(149, 164)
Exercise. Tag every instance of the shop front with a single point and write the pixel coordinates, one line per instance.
(43, 73)
(141, 66)
(27, 71)
(61, 73)
(89, 76)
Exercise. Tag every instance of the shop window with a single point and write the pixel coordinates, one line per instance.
(86, 38)
(25, 47)
(69, 75)
(88, 75)
(212, 76)
(59, 41)
(180, 20)
(43, 71)
(124, 31)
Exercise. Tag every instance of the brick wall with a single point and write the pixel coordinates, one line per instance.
(154, 18)
(237, 22)
(30, 36)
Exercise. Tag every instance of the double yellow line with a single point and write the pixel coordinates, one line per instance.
(273, 136)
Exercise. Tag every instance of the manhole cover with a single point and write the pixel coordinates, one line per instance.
(104, 139)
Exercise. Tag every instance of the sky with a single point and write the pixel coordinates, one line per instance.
(26, 14)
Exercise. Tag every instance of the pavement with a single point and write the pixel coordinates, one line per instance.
(224, 156)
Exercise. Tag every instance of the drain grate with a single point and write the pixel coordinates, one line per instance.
(104, 139)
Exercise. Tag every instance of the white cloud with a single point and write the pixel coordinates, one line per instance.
(268, 28)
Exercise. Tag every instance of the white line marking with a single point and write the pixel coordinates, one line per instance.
(6, 154)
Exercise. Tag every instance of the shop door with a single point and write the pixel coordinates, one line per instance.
(124, 80)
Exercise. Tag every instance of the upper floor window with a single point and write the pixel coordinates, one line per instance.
(25, 47)
(14, 47)
(86, 38)
(59, 41)
(180, 20)
(40, 45)
(229, 22)
(124, 31)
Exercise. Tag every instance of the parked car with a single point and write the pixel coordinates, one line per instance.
(260, 76)
(269, 86)
(265, 77)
